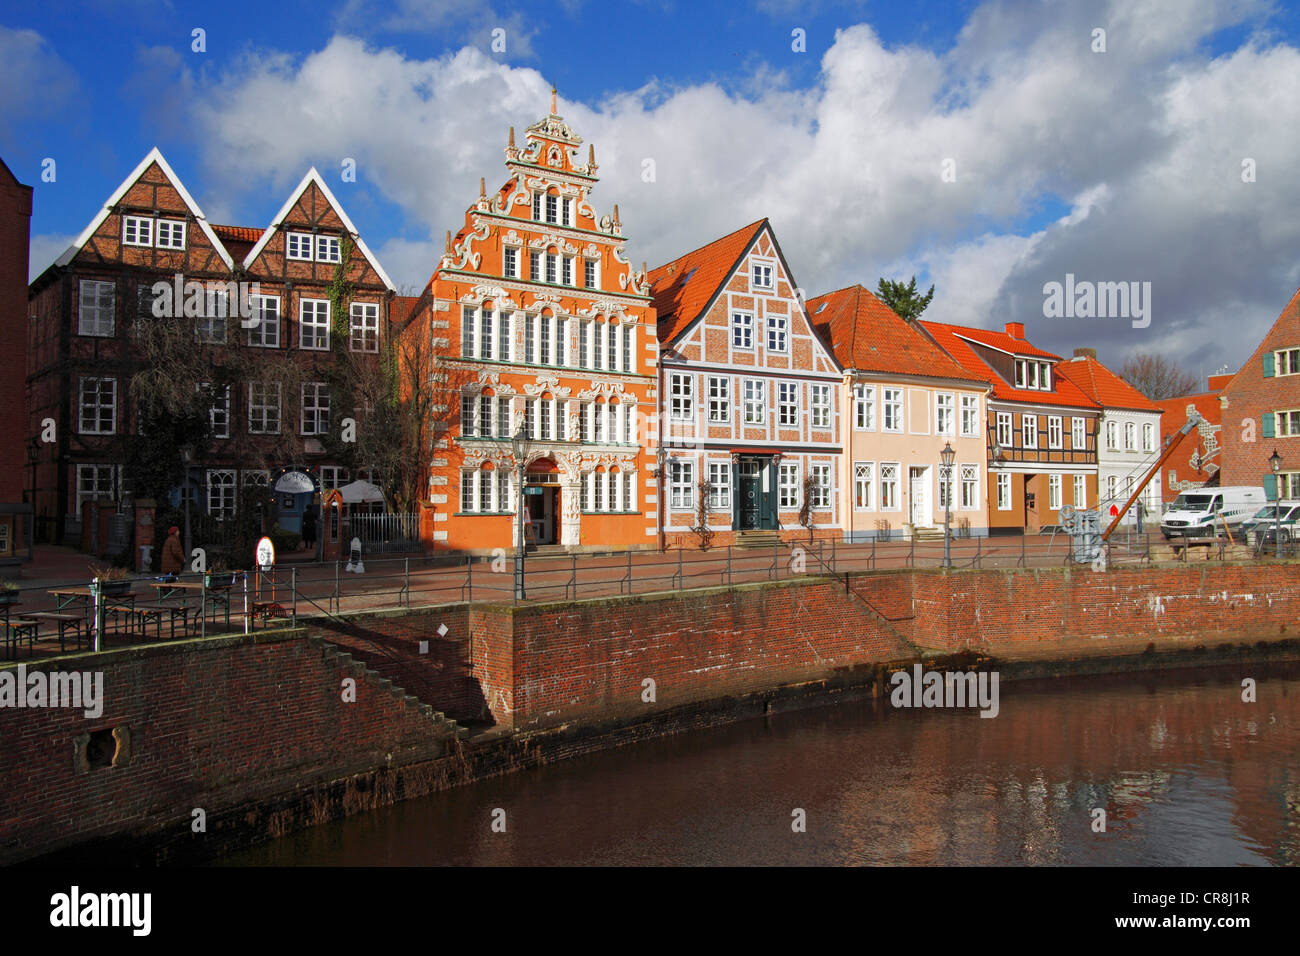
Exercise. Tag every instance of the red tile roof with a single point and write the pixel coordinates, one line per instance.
(238, 233)
(683, 288)
(868, 335)
(1003, 342)
(953, 340)
(1103, 386)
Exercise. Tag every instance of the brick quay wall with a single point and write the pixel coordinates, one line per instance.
(257, 732)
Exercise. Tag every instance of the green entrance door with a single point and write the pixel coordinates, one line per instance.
(750, 494)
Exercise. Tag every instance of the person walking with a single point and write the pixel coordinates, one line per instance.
(173, 556)
(309, 528)
(1139, 513)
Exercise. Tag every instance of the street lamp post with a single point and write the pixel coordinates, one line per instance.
(187, 456)
(947, 456)
(1275, 462)
(661, 462)
(519, 445)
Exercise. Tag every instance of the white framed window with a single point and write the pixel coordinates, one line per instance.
(1055, 433)
(863, 492)
(1130, 436)
(218, 409)
(893, 410)
(1033, 375)
(510, 263)
(788, 482)
(1004, 436)
(970, 416)
(681, 476)
(469, 416)
(944, 413)
(591, 273)
(970, 487)
(1286, 362)
(889, 497)
(1004, 492)
(1029, 431)
(1080, 491)
(298, 245)
(327, 249)
(742, 330)
(265, 333)
(776, 333)
(720, 485)
(864, 407)
(365, 328)
(535, 266)
(315, 408)
(1286, 424)
(97, 406)
(332, 477)
(255, 478)
(1078, 433)
(762, 275)
(821, 491)
(566, 272)
(787, 404)
(755, 402)
(96, 482)
(821, 406)
(95, 306)
(1148, 437)
(137, 231)
(1054, 492)
(210, 326)
(170, 234)
(314, 324)
(221, 494)
(1112, 487)
(719, 399)
(946, 484)
(681, 391)
(1112, 436)
(264, 408)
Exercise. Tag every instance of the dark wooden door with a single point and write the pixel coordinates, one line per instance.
(749, 487)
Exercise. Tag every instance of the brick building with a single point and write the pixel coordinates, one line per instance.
(903, 400)
(15, 505)
(1197, 462)
(750, 396)
(84, 351)
(1261, 411)
(1129, 441)
(1041, 428)
(540, 320)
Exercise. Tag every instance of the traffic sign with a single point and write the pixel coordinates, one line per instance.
(264, 555)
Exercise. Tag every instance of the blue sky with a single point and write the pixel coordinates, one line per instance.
(1118, 166)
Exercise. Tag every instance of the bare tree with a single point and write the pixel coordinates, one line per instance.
(702, 530)
(1156, 377)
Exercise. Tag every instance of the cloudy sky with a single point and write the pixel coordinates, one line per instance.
(989, 147)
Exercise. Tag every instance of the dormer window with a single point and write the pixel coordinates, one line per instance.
(1033, 375)
(327, 249)
(762, 276)
(160, 233)
(298, 245)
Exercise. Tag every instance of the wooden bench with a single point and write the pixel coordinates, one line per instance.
(156, 612)
(16, 632)
(66, 622)
(267, 610)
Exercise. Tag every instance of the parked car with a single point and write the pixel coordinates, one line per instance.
(1264, 526)
(1206, 511)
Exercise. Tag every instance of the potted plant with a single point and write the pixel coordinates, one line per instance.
(219, 575)
(8, 592)
(111, 580)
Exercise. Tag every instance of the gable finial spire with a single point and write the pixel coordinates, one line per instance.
(449, 241)
(482, 187)
(553, 99)
(512, 137)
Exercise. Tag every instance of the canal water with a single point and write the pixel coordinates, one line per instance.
(1188, 774)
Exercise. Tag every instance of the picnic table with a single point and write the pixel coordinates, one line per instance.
(213, 597)
(115, 605)
(13, 633)
(65, 622)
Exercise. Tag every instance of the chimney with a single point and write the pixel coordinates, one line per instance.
(1086, 353)
(1016, 330)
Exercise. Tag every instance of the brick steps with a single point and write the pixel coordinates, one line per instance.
(333, 654)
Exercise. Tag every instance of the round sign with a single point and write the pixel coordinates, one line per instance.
(265, 554)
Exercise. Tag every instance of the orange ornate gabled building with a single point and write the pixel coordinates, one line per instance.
(537, 318)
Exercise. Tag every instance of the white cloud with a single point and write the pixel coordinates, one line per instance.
(43, 250)
(1146, 140)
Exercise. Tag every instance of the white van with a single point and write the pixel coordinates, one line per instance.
(1206, 510)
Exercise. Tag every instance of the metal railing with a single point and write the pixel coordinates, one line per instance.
(383, 532)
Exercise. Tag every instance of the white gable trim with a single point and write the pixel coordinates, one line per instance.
(314, 177)
(155, 156)
(809, 329)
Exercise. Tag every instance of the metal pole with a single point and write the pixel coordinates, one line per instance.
(293, 586)
(947, 517)
(519, 550)
(245, 604)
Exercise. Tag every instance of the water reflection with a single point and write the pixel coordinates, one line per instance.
(1187, 773)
